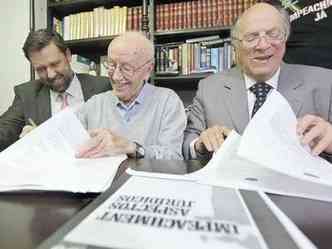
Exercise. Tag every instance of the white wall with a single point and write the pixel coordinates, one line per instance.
(14, 68)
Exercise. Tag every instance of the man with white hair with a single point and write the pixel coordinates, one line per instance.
(135, 118)
(227, 100)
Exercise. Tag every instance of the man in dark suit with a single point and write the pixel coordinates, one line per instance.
(227, 100)
(57, 87)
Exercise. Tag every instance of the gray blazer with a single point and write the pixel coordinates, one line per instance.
(221, 99)
(32, 100)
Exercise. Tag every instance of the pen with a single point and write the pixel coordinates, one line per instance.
(33, 124)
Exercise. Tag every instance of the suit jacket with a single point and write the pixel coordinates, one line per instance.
(32, 100)
(221, 99)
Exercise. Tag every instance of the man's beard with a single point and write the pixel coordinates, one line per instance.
(59, 87)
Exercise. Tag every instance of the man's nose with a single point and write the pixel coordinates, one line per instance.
(116, 75)
(50, 73)
(263, 42)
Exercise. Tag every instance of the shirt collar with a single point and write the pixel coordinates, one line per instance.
(144, 92)
(73, 89)
(273, 81)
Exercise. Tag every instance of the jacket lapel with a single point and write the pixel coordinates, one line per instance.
(43, 104)
(87, 88)
(290, 86)
(236, 100)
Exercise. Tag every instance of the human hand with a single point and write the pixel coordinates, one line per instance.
(104, 142)
(315, 132)
(211, 139)
(26, 129)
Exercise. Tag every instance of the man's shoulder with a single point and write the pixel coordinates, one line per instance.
(223, 75)
(101, 97)
(160, 92)
(28, 87)
(217, 81)
(307, 69)
(83, 76)
(100, 81)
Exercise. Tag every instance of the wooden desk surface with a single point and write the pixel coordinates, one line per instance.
(28, 219)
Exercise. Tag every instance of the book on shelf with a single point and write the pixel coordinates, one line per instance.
(100, 22)
(198, 14)
(194, 57)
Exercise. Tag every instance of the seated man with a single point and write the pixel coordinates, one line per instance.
(58, 86)
(136, 118)
(227, 100)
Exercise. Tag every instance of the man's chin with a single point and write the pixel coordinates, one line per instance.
(58, 88)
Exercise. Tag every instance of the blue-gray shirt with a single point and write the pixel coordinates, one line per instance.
(155, 119)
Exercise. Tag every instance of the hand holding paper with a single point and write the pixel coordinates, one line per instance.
(211, 139)
(315, 132)
(104, 142)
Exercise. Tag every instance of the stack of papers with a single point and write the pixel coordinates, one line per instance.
(268, 157)
(45, 159)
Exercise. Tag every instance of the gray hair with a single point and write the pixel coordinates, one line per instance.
(235, 31)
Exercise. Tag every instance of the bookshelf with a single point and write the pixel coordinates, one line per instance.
(83, 23)
(175, 26)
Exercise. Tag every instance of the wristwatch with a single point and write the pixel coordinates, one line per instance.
(139, 152)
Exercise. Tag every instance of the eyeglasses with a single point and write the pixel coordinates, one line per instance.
(273, 36)
(126, 70)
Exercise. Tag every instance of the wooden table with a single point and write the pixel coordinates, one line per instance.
(28, 219)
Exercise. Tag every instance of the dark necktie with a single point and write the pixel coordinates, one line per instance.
(260, 89)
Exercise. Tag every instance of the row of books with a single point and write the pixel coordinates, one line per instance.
(99, 22)
(199, 13)
(214, 55)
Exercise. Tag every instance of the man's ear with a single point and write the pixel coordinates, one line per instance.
(68, 55)
(148, 71)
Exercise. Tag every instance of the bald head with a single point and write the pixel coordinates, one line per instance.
(132, 44)
(259, 37)
(259, 13)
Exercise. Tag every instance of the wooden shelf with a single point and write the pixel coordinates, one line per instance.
(199, 31)
(73, 6)
(189, 77)
(98, 44)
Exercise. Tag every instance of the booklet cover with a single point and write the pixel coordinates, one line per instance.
(159, 213)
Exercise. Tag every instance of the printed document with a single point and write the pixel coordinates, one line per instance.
(268, 157)
(153, 213)
(44, 159)
(270, 139)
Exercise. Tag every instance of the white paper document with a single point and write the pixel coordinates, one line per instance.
(227, 168)
(158, 213)
(44, 159)
(268, 157)
(270, 139)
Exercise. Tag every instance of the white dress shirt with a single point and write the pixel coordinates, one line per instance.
(273, 81)
(74, 96)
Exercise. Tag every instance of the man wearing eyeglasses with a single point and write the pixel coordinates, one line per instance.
(227, 100)
(136, 118)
